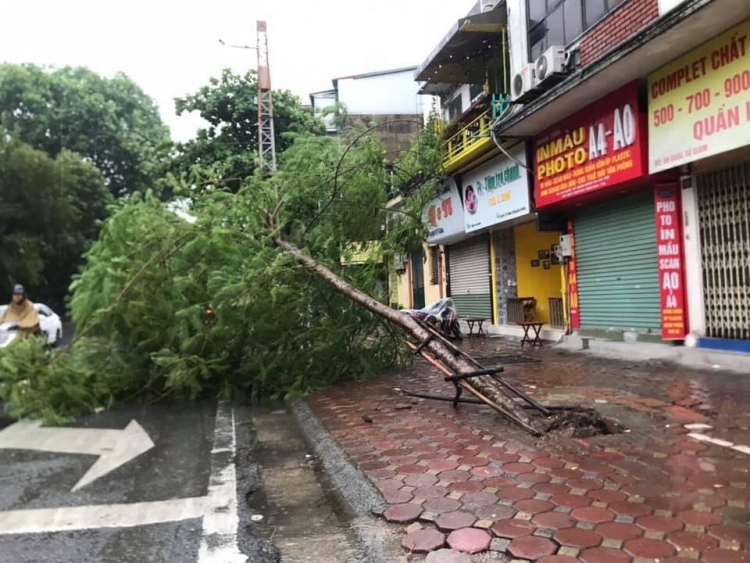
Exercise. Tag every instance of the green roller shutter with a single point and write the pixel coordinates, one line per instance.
(469, 269)
(618, 278)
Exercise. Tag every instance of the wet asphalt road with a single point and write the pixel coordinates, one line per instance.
(177, 467)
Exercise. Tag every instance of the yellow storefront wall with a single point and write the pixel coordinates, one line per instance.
(536, 281)
(401, 290)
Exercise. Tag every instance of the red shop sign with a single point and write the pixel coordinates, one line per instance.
(575, 316)
(671, 264)
(598, 147)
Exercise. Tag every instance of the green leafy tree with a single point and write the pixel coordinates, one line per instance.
(108, 121)
(226, 151)
(49, 215)
(140, 302)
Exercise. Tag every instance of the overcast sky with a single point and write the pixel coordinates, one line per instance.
(171, 48)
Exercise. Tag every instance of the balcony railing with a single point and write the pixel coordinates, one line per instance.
(471, 135)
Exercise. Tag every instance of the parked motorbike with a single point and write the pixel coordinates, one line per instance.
(441, 315)
(8, 333)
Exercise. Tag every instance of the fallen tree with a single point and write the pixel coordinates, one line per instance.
(275, 330)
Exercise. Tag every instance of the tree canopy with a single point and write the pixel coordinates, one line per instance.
(108, 121)
(49, 214)
(226, 151)
(140, 302)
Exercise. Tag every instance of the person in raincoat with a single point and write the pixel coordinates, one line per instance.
(22, 311)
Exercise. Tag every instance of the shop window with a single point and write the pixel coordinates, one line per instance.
(561, 22)
(435, 265)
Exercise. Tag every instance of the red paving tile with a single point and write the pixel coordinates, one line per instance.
(441, 505)
(692, 540)
(534, 506)
(530, 547)
(554, 520)
(572, 501)
(424, 540)
(513, 529)
(593, 514)
(649, 549)
(659, 523)
(623, 480)
(604, 555)
(516, 493)
(455, 521)
(725, 556)
(698, 518)
(467, 486)
(576, 537)
(430, 492)
(618, 531)
(469, 540)
(403, 513)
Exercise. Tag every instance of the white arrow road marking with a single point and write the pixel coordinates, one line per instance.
(218, 509)
(45, 520)
(114, 447)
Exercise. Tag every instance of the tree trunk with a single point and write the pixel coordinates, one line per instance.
(484, 387)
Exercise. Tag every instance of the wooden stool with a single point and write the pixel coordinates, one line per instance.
(479, 321)
(533, 340)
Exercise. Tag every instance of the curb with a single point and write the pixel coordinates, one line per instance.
(375, 540)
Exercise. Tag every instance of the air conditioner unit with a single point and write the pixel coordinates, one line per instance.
(550, 67)
(488, 5)
(524, 84)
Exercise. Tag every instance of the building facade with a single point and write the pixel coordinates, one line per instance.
(637, 111)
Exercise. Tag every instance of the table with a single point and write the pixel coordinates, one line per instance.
(471, 321)
(533, 340)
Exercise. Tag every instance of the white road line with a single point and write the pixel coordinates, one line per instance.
(715, 441)
(44, 520)
(220, 522)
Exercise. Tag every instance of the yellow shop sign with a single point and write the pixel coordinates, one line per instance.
(699, 105)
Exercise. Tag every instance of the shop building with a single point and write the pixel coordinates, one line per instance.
(699, 125)
(591, 170)
(654, 248)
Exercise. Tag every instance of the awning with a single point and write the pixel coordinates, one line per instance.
(468, 40)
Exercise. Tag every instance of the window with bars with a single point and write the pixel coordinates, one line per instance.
(560, 22)
(435, 265)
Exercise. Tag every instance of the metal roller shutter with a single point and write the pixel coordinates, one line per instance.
(724, 214)
(470, 277)
(618, 277)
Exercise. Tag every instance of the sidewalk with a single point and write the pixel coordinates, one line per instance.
(465, 479)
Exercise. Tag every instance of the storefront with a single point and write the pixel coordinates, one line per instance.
(425, 272)
(592, 168)
(495, 197)
(699, 124)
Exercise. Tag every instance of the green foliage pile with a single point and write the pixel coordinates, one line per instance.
(139, 304)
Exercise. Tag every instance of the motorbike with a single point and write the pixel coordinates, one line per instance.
(8, 333)
(441, 315)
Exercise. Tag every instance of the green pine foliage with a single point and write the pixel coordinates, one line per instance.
(140, 302)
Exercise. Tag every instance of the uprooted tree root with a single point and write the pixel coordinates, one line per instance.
(581, 423)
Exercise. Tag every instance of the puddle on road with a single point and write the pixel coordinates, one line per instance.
(299, 508)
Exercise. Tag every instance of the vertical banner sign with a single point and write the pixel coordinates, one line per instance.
(671, 266)
(575, 316)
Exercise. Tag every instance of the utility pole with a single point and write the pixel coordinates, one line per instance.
(266, 137)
